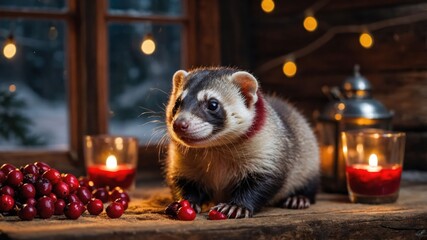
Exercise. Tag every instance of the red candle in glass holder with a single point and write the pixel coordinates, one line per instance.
(111, 174)
(373, 180)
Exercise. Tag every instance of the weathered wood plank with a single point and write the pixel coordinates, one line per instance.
(332, 217)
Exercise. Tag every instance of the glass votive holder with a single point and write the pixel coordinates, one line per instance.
(374, 160)
(111, 160)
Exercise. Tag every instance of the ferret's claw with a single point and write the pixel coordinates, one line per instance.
(296, 202)
(233, 211)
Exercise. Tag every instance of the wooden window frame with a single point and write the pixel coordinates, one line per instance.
(87, 64)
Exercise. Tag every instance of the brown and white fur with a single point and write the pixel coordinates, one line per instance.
(236, 147)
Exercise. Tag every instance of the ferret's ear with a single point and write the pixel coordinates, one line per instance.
(178, 79)
(248, 86)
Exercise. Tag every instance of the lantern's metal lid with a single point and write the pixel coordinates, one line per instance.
(355, 101)
(355, 108)
(356, 86)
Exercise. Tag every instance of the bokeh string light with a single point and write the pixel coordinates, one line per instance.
(289, 68)
(366, 40)
(364, 32)
(267, 6)
(9, 48)
(148, 45)
(310, 23)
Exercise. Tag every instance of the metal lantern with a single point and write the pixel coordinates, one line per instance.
(351, 106)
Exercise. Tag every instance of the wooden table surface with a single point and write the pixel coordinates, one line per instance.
(332, 217)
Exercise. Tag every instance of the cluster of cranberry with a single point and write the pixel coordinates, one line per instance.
(36, 189)
(182, 210)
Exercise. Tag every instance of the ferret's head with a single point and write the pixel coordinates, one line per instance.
(211, 107)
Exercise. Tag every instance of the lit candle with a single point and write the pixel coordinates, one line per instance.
(111, 160)
(374, 160)
(372, 179)
(373, 163)
(111, 174)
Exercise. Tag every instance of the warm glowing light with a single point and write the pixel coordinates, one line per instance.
(12, 88)
(373, 160)
(338, 116)
(366, 40)
(341, 106)
(119, 143)
(359, 148)
(148, 46)
(345, 149)
(111, 162)
(310, 23)
(9, 50)
(289, 68)
(267, 5)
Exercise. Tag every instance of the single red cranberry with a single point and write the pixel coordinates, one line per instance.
(186, 214)
(43, 187)
(172, 209)
(27, 212)
(45, 207)
(184, 203)
(31, 169)
(6, 168)
(27, 190)
(61, 189)
(30, 178)
(123, 202)
(72, 181)
(216, 215)
(6, 203)
(119, 193)
(101, 194)
(73, 210)
(84, 194)
(53, 175)
(115, 210)
(43, 167)
(85, 182)
(53, 197)
(31, 201)
(7, 190)
(2, 177)
(59, 207)
(14, 178)
(95, 206)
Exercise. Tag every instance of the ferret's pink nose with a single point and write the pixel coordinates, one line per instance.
(180, 125)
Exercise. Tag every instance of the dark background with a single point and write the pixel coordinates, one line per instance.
(396, 65)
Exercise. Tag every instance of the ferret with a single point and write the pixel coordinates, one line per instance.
(233, 146)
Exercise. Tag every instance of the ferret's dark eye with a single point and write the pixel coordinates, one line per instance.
(213, 104)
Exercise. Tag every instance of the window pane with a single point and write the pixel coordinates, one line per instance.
(140, 83)
(33, 106)
(34, 4)
(148, 7)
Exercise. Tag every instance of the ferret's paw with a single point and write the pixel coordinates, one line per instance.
(233, 211)
(296, 202)
(196, 207)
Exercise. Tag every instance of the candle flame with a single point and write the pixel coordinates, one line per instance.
(111, 162)
(373, 160)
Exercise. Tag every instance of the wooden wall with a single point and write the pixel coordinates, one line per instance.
(396, 65)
